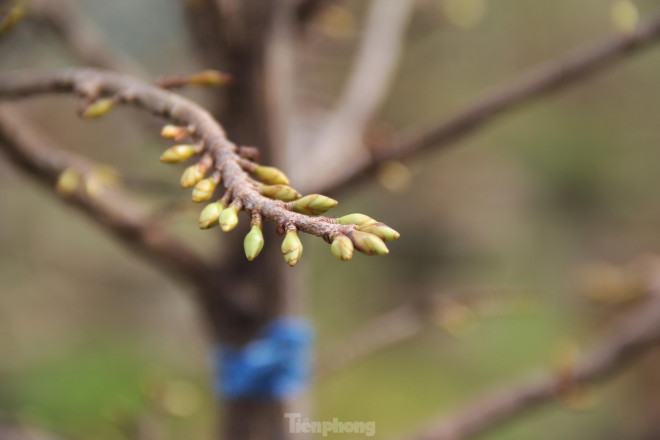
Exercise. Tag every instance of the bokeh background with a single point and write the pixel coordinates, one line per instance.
(92, 338)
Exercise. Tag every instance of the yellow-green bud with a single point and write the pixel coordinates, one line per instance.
(174, 132)
(314, 204)
(368, 243)
(228, 218)
(253, 243)
(209, 216)
(280, 192)
(98, 108)
(68, 182)
(191, 176)
(177, 153)
(342, 247)
(12, 18)
(292, 248)
(354, 219)
(270, 175)
(380, 230)
(203, 190)
(212, 78)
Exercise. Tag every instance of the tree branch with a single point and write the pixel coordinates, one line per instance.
(638, 332)
(82, 36)
(339, 142)
(578, 65)
(219, 156)
(111, 209)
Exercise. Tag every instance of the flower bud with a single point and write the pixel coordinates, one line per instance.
(191, 176)
(342, 247)
(177, 153)
(98, 108)
(270, 175)
(228, 219)
(292, 248)
(280, 192)
(209, 216)
(253, 243)
(380, 230)
(13, 16)
(68, 182)
(314, 204)
(368, 243)
(209, 78)
(203, 190)
(175, 132)
(354, 219)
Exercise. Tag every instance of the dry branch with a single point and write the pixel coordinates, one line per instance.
(112, 209)
(556, 75)
(220, 156)
(339, 143)
(638, 332)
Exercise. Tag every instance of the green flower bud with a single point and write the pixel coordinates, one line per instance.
(368, 243)
(253, 243)
(342, 247)
(314, 204)
(380, 230)
(13, 16)
(191, 176)
(98, 108)
(209, 216)
(203, 190)
(228, 218)
(175, 132)
(292, 248)
(209, 78)
(68, 182)
(270, 175)
(177, 153)
(354, 219)
(280, 192)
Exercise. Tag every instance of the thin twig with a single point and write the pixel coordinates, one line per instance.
(111, 209)
(638, 332)
(578, 65)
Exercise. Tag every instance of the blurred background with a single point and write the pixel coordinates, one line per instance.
(504, 230)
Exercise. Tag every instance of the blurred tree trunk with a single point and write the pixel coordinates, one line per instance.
(248, 38)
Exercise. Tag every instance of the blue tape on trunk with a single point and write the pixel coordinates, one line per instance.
(276, 365)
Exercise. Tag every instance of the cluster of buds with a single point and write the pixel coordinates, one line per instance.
(368, 237)
(205, 176)
(92, 183)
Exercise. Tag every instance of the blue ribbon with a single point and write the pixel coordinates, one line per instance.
(275, 365)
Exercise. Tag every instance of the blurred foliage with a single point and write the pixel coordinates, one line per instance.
(85, 327)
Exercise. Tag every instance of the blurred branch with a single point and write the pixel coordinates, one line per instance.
(340, 140)
(307, 10)
(82, 36)
(636, 333)
(553, 76)
(111, 209)
(456, 313)
(382, 332)
(14, 430)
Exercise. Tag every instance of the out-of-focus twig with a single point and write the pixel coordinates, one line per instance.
(111, 209)
(556, 75)
(635, 334)
(82, 37)
(339, 142)
(384, 331)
